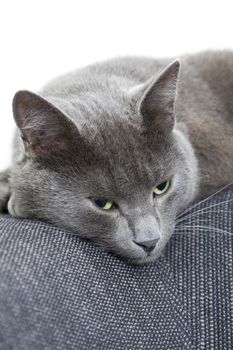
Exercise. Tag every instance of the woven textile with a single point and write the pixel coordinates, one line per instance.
(60, 292)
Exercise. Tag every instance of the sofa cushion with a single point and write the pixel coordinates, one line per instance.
(61, 292)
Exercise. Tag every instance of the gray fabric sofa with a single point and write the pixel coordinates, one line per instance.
(60, 292)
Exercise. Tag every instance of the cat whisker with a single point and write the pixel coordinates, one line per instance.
(190, 219)
(195, 228)
(204, 200)
(203, 210)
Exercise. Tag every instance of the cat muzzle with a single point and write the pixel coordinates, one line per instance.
(148, 246)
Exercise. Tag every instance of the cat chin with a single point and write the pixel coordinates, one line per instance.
(141, 260)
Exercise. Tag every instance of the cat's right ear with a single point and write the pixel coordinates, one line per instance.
(44, 129)
(155, 100)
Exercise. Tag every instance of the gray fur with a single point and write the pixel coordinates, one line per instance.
(113, 135)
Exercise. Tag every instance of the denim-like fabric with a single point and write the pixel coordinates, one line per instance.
(60, 292)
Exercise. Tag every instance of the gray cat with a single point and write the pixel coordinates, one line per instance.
(114, 151)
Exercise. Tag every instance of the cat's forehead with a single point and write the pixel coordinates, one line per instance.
(118, 148)
(122, 155)
(90, 101)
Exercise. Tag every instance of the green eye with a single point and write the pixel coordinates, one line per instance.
(104, 204)
(162, 188)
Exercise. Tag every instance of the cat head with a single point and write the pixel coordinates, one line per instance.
(116, 173)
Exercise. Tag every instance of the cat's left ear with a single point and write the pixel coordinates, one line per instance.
(156, 99)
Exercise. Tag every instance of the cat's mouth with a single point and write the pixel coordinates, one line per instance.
(148, 259)
(147, 252)
(139, 256)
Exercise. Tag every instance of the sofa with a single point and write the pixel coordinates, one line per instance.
(58, 291)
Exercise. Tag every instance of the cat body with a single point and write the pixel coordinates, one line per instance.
(116, 130)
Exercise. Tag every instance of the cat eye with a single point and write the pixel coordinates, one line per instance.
(162, 188)
(104, 204)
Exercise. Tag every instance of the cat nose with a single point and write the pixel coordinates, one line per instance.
(148, 246)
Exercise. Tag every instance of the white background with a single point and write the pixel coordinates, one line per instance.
(41, 39)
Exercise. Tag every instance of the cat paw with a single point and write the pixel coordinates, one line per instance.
(4, 190)
(12, 206)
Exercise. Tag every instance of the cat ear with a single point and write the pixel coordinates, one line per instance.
(158, 99)
(45, 130)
